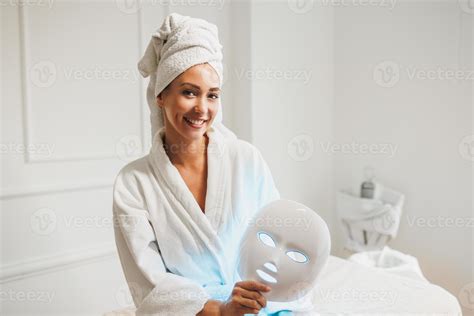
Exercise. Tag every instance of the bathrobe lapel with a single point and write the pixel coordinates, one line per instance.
(204, 226)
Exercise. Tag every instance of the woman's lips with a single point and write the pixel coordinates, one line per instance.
(197, 124)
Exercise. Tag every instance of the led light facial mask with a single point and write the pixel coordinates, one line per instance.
(286, 245)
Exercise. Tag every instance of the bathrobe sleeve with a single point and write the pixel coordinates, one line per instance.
(154, 290)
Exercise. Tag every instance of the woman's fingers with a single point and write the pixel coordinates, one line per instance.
(253, 286)
(248, 303)
(247, 297)
(254, 295)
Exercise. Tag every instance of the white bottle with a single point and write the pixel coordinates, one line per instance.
(367, 187)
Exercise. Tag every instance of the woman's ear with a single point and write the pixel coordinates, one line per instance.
(159, 100)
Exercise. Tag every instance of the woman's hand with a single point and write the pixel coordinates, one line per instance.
(246, 298)
(211, 308)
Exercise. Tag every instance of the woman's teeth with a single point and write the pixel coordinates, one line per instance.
(194, 122)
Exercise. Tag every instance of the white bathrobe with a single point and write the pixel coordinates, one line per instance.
(174, 256)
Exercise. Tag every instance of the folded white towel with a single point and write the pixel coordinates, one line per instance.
(368, 224)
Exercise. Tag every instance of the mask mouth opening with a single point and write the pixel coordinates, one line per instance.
(270, 266)
(266, 277)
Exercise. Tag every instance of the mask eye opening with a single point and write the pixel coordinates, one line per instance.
(266, 239)
(297, 256)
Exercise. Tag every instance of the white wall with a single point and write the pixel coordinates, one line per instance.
(292, 98)
(58, 254)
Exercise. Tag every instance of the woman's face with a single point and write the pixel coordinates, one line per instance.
(191, 101)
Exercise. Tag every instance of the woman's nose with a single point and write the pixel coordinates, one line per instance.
(201, 105)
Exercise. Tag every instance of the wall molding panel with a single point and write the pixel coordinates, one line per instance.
(28, 126)
(48, 264)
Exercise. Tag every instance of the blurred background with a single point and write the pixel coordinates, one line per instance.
(326, 89)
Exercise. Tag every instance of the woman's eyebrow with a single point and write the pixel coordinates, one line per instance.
(199, 88)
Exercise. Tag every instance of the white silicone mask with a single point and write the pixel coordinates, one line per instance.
(286, 245)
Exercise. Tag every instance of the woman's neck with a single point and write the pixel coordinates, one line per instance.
(184, 152)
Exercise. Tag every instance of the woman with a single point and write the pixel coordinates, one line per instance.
(181, 210)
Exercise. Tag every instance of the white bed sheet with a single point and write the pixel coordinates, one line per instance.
(350, 288)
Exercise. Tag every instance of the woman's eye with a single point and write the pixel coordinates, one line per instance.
(214, 96)
(189, 93)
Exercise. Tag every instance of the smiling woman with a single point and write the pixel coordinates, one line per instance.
(192, 98)
(189, 104)
(180, 210)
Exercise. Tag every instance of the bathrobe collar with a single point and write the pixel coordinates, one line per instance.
(216, 180)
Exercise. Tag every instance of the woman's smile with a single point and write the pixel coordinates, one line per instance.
(195, 123)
